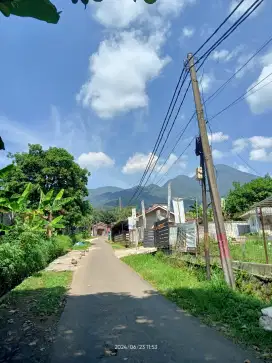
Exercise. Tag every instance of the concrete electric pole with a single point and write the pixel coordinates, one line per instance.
(169, 201)
(218, 215)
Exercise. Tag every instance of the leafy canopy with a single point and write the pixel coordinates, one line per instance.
(242, 197)
(52, 169)
(42, 10)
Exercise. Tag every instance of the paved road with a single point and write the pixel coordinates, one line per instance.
(110, 304)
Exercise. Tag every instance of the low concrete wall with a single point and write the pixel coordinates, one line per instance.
(255, 269)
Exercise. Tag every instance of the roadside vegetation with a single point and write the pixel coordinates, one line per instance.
(252, 250)
(29, 315)
(43, 215)
(235, 313)
(43, 212)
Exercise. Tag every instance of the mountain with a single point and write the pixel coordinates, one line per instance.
(182, 186)
(100, 196)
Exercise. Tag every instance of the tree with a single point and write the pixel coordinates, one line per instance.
(242, 197)
(49, 205)
(42, 10)
(195, 210)
(48, 169)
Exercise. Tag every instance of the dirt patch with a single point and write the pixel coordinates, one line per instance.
(29, 317)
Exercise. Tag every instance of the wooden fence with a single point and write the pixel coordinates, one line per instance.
(161, 234)
(148, 238)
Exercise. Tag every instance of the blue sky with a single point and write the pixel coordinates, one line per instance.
(100, 81)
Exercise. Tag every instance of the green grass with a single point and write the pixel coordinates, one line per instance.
(117, 246)
(252, 251)
(236, 313)
(43, 292)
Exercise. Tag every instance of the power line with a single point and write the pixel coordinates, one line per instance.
(243, 96)
(219, 27)
(174, 163)
(238, 22)
(221, 88)
(163, 128)
(173, 123)
(247, 164)
(174, 147)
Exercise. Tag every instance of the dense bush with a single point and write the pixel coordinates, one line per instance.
(22, 255)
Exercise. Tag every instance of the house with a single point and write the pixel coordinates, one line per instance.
(151, 215)
(253, 216)
(100, 229)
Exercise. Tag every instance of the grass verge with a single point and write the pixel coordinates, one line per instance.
(251, 251)
(235, 313)
(29, 315)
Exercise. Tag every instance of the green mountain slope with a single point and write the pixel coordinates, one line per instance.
(182, 186)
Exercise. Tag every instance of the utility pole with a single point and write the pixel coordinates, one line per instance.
(169, 201)
(205, 216)
(221, 232)
(143, 214)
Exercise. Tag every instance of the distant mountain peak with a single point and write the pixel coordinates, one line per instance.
(183, 186)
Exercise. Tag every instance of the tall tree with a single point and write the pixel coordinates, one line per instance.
(242, 197)
(48, 169)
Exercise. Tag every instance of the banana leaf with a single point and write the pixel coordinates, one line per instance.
(42, 10)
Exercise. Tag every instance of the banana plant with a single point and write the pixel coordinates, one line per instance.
(42, 10)
(48, 205)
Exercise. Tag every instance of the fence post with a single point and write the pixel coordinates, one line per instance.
(264, 238)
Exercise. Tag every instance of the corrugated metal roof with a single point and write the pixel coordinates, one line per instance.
(264, 203)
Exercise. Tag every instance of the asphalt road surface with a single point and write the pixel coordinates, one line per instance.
(112, 315)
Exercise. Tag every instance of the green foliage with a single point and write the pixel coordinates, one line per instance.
(52, 169)
(242, 197)
(22, 254)
(42, 10)
(111, 216)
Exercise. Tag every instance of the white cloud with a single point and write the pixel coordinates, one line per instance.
(130, 56)
(217, 137)
(119, 73)
(206, 82)
(239, 145)
(138, 163)
(261, 142)
(260, 98)
(123, 13)
(182, 163)
(242, 168)
(242, 8)
(225, 55)
(248, 68)
(217, 154)
(261, 155)
(188, 32)
(95, 160)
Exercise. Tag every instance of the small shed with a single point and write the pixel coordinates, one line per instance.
(151, 215)
(261, 213)
(100, 229)
(253, 216)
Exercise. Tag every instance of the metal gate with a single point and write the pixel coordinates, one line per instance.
(148, 238)
(186, 237)
(161, 234)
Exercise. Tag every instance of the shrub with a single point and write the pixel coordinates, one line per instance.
(62, 244)
(22, 255)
